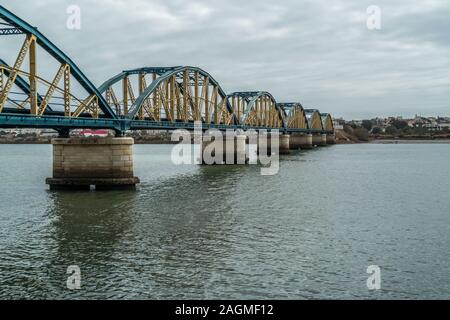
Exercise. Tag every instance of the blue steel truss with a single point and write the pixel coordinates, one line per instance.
(60, 56)
(157, 70)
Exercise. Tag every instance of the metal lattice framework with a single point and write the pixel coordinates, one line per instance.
(314, 119)
(165, 98)
(257, 109)
(327, 122)
(175, 94)
(294, 116)
(21, 83)
(90, 106)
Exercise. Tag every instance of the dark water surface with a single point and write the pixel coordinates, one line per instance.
(229, 233)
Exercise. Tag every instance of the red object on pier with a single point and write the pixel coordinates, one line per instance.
(93, 133)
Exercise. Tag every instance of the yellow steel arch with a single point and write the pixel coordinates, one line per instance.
(314, 119)
(295, 116)
(176, 94)
(327, 122)
(256, 109)
(58, 91)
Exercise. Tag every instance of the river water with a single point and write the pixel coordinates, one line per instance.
(226, 232)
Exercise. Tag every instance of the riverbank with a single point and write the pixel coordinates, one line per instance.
(410, 141)
(48, 141)
(35, 138)
(343, 137)
(25, 141)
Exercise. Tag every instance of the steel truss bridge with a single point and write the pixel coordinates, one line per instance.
(140, 99)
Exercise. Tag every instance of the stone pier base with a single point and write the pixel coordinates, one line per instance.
(300, 141)
(265, 143)
(284, 143)
(331, 138)
(316, 139)
(319, 140)
(79, 163)
(324, 140)
(306, 141)
(294, 142)
(230, 150)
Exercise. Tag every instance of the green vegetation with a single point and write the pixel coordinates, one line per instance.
(397, 128)
(400, 124)
(362, 134)
(376, 130)
(367, 124)
(392, 130)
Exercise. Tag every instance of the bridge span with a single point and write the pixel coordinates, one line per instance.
(147, 98)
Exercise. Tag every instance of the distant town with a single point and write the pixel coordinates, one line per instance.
(430, 123)
(420, 128)
(347, 131)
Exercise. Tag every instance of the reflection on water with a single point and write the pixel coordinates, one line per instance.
(86, 229)
(228, 232)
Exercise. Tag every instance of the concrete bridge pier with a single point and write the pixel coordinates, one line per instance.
(300, 141)
(331, 138)
(294, 141)
(324, 140)
(306, 141)
(284, 144)
(79, 163)
(231, 149)
(319, 139)
(239, 150)
(265, 143)
(316, 139)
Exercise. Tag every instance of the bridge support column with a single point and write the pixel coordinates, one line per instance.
(284, 144)
(106, 163)
(324, 140)
(305, 141)
(240, 148)
(232, 150)
(265, 143)
(331, 138)
(294, 142)
(298, 141)
(317, 139)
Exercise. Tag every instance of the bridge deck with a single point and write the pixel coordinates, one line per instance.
(11, 120)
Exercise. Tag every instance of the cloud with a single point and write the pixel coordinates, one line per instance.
(317, 52)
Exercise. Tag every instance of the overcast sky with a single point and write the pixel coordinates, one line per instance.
(317, 52)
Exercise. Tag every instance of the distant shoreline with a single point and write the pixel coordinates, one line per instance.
(410, 141)
(49, 142)
(338, 141)
(343, 137)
